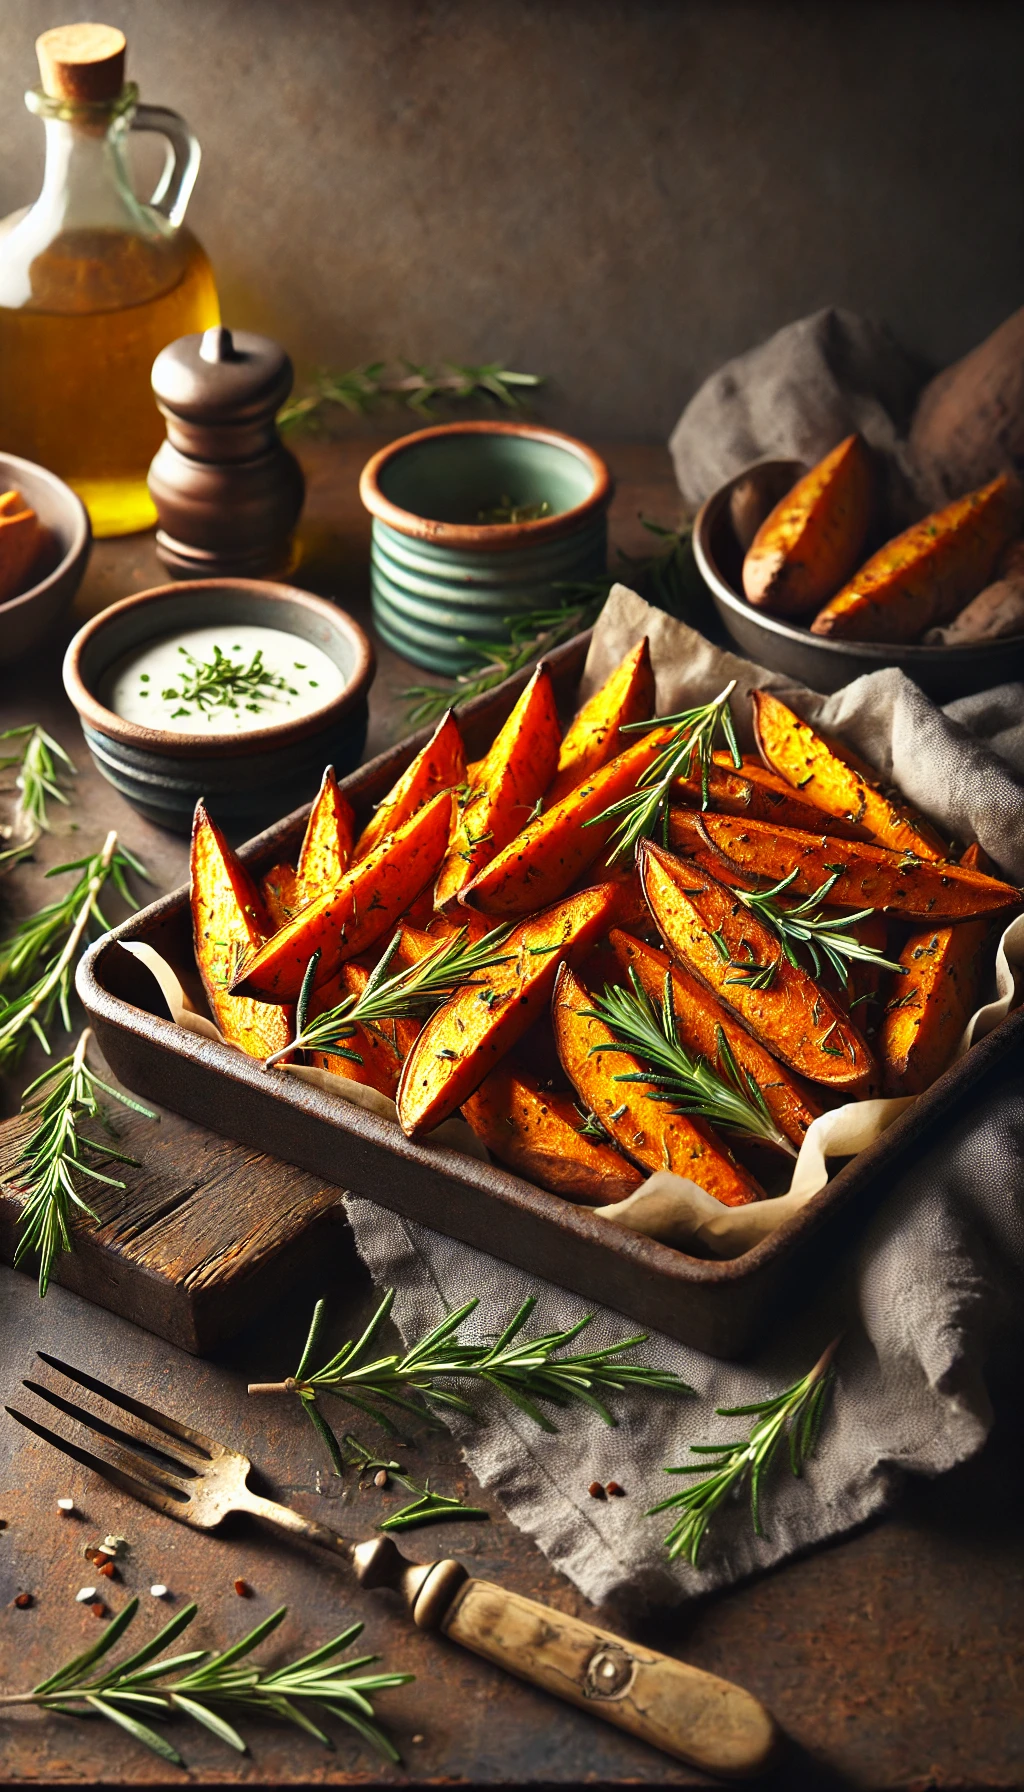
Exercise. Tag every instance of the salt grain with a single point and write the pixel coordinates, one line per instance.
(84, 1595)
(158, 1590)
(65, 1505)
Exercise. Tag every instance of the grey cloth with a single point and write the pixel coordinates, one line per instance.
(935, 1278)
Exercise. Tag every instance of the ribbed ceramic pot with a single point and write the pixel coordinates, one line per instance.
(438, 573)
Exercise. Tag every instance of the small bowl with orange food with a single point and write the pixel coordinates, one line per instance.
(810, 580)
(44, 548)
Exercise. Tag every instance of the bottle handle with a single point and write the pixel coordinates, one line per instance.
(181, 164)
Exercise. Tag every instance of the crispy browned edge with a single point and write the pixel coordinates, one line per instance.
(732, 1293)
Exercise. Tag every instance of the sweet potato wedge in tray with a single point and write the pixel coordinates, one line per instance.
(700, 1016)
(641, 1125)
(931, 1004)
(552, 852)
(359, 910)
(717, 938)
(463, 1041)
(383, 1047)
(593, 739)
(732, 792)
(793, 749)
(867, 876)
(327, 843)
(507, 785)
(814, 538)
(440, 765)
(921, 578)
(229, 919)
(279, 888)
(536, 1131)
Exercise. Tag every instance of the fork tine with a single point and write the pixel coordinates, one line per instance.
(163, 1501)
(204, 1446)
(155, 1462)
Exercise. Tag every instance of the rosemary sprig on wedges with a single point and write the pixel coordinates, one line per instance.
(406, 995)
(138, 1687)
(797, 1413)
(224, 683)
(41, 763)
(643, 814)
(723, 1094)
(38, 959)
(524, 1370)
(822, 937)
(418, 387)
(55, 1156)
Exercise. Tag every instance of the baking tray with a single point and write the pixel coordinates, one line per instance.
(718, 1306)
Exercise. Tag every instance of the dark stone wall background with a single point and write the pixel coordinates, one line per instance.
(617, 193)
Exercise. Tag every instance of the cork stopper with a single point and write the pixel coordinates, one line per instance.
(82, 62)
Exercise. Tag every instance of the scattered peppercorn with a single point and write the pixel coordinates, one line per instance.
(615, 1490)
(380, 1479)
(242, 1588)
(98, 1609)
(23, 1601)
(596, 1491)
(417, 1739)
(109, 1570)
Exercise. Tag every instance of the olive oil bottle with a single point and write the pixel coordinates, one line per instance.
(94, 283)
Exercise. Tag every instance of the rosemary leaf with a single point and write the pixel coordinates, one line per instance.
(418, 387)
(822, 937)
(223, 683)
(644, 814)
(41, 763)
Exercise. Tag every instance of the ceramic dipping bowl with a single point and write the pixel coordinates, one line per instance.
(250, 778)
(30, 618)
(945, 673)
(438, 572)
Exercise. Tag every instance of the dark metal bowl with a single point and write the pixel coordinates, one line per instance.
(822, 664)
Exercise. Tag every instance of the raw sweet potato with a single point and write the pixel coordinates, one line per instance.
(641, 1125)
(700, 1017)
(461, 1043)
(930, 1005)
(347, 920)
(228, 920)
(509, 782)
(922, 578)
(705, 927)
(440, 765)
(868, 876)
(804, 758)
(593, 738)
(536, 1131)
(551, 852)
(814, 538)
(732, 792)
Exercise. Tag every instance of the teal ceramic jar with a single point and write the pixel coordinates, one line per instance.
(439, 572)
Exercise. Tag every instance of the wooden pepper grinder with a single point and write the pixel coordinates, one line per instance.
(227, 491)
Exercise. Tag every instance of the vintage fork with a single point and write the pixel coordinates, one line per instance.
(695, 1716)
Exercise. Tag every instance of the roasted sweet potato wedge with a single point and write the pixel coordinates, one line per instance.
(640, 1124)
(921, 578)
(440, 765)
(717, 938)
(536, 1131)
(867, 876)
(593, 739)
(793, 749)
(814, 538)
(279, 888)
(763, 798)
(383, 1047)
(360, 909)
(508, 785)
(229, 919)
(328, 840)
(930, 1005)
(21, 538)
(700, 1017)
(551, 852)
(461, 1043)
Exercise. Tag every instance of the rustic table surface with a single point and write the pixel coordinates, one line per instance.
(892, 1659)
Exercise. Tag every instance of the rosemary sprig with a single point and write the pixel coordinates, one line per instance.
(798, 1411)
(138, 1687)
(54, 1156)
(524, 1370)
(724, 1095)
(644, 813)
(41, 763)
(223, 683)
(432, 1508)
(47, 944)
(801, 925)
(408, 994)
(418, 387)
(508, 511)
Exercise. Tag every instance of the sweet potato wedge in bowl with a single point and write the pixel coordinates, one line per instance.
(809, 545)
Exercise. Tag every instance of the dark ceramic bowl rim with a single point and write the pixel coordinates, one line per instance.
(907, 654)
(80, 538)
(190, 746)
(497, 536)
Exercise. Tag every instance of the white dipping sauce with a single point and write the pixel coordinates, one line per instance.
(160, 686)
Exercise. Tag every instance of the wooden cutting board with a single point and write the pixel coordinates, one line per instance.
(204, 1236)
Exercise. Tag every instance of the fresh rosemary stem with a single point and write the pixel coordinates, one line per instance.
(644, 814)
(796, 1413)
(40, 764)
(800, 925)
(358, 390)
(223, 683)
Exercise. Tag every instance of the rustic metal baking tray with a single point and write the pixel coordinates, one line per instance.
(718, 1306)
